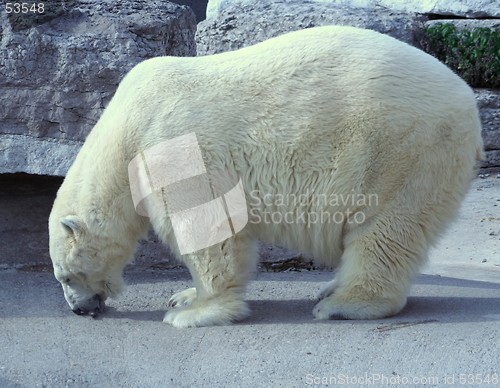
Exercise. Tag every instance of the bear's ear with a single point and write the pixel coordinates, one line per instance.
(73, 226)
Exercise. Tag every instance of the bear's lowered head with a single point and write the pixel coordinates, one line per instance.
(88, 265)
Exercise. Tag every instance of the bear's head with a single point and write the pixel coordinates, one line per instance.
(88, 264)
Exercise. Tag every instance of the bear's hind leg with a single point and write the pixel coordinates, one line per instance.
(377, 267)
(220, 274)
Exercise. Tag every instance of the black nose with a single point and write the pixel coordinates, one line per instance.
(93, 307)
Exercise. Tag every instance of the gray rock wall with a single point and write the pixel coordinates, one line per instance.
(489, 109)
(58, 72)
(247, 24)
(462, 8)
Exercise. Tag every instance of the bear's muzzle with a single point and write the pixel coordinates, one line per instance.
(93, 307)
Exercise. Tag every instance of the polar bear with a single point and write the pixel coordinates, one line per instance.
(313, 123)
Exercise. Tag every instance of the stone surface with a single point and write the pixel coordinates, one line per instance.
(447, 335)
(492, 160)
(247, 24)
(489, 107)
(467, 24)
(462, 8)
(58, 71)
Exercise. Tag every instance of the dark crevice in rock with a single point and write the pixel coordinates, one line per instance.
(435, 16)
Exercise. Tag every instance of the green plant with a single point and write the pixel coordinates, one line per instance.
(473, 53)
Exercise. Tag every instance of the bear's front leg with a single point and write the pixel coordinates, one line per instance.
(220, 274)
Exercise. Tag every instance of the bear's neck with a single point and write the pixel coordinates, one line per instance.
(100, 189)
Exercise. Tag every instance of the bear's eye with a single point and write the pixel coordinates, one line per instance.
(66, 280)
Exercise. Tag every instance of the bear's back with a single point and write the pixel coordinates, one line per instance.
(353, 66)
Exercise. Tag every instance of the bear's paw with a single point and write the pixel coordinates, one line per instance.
(214, 311)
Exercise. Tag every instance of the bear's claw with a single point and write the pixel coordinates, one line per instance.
(183, 298)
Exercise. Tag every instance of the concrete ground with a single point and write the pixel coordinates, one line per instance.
(448, 335)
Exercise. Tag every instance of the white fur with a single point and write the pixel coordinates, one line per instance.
(332, 110)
